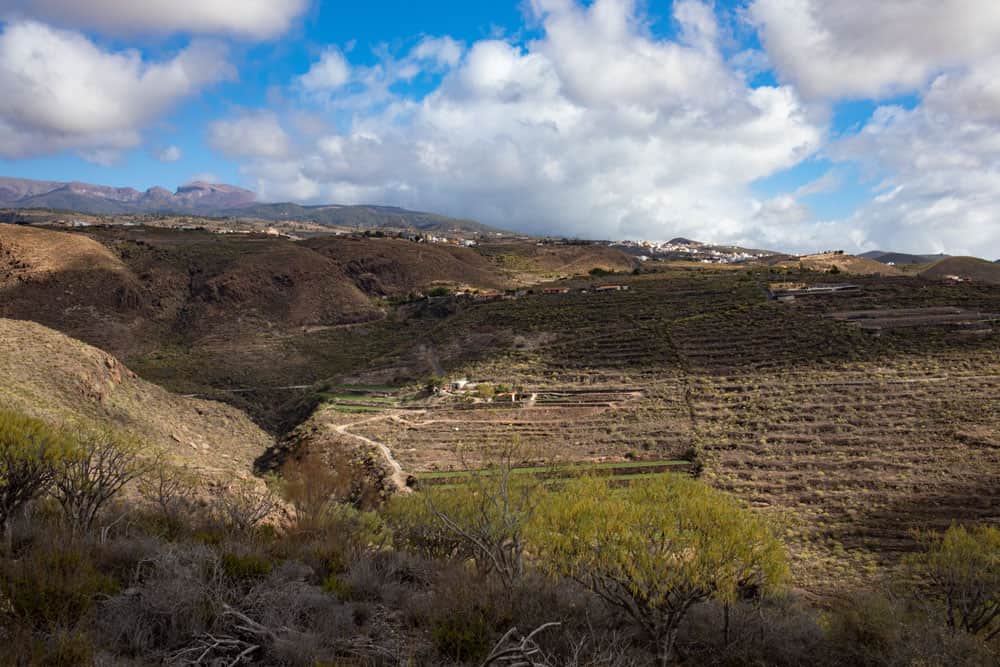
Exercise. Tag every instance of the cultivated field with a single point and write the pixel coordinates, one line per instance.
(851, 438)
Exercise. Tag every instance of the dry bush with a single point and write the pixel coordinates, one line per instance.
(872, 629)
(243, 505)
(170, 490)
(102, 464)
(175, 596)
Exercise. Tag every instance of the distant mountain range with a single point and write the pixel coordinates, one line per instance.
(217, 200)
(193, 198)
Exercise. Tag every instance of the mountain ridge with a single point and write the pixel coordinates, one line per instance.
(215, 199)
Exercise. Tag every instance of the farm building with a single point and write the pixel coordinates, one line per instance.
(556, 290)
(611, 288)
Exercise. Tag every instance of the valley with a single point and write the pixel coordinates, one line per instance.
(849, 436)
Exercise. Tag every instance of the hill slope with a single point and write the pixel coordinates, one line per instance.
(363, 217)
(968, 268)
(135, 290)
(71, 283)
(900, 257)
(390, 266)
(851, 264)
(53, 377)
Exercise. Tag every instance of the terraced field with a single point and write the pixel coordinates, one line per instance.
(851, 438)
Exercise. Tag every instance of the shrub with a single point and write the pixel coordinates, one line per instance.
(246, 567)
(29, 452)
(656, 548)
(461, 637)
(103, 462)
(54, 585)
(962, 569)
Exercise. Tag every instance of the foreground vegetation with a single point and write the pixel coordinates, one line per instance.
(111, 558)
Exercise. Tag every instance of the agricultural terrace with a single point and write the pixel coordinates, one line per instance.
(849, 437)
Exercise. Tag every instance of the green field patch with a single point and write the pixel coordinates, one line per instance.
(353, 409)
(614, 469)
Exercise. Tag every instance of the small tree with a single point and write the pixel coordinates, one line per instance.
(29, 452)
(482, 517)
(962, 569)
(656, 548)
(243, 505)
(103, 463)
(169, 488)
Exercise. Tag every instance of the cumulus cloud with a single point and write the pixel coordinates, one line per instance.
(860, 48)
(329, 73)
(62, 92)
(937, 168)
(259, 19)
(169, 154)
(596, 128)
(256, 135)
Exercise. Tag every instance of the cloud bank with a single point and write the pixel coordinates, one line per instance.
(256, 19)
(63, 92)
(596, 129)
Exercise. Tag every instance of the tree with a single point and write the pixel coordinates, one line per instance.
(656, 548)
(244, 504)
(170, 489)
(482, 517)
(103, 462)
(29, 452)
(962, 568)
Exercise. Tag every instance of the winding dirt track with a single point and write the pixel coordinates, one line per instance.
(398, 477)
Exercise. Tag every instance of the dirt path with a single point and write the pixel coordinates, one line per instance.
(398, 477)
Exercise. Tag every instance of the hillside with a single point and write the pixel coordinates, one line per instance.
(552, 259)
(967, 268)
(71, 283)
(849, 264)
(390, 266)
(363, 217)
(53, 377)
(900, 257)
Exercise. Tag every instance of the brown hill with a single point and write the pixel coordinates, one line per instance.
(244, 286)
(557, 259)
(129, 290)
(69, 282)
(392, 266)
(53, 377)
(967, 268)
(859, 266)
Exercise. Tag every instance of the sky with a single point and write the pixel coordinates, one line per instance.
(798, 125)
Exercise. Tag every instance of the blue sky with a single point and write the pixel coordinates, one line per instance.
(786, 123)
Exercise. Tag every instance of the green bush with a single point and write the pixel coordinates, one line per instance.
(54, 586)
(335, 585)
(461, 637)
(247, 567)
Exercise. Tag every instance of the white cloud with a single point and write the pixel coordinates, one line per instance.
(329, 73)
(254, 135)
(62, 92)
(258, 19)
(596, 129)
(204, 177)
(169, 154)
(442, 51)
(940, 171)
(866, 48)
